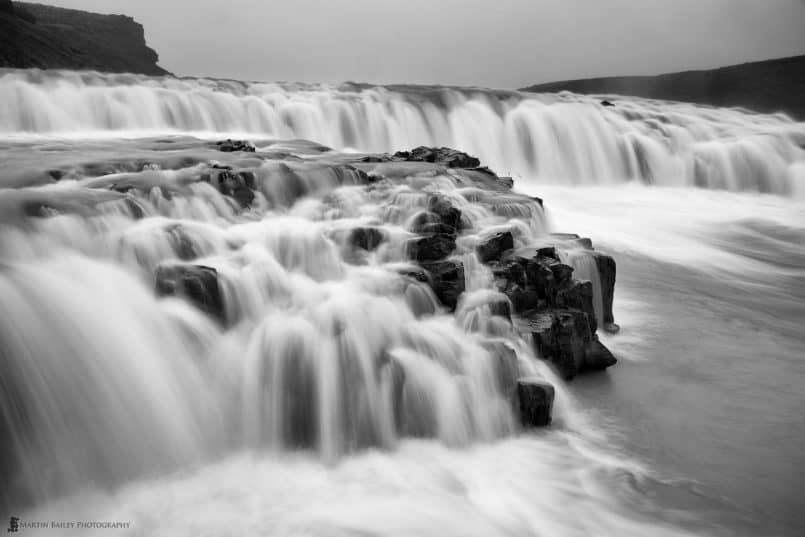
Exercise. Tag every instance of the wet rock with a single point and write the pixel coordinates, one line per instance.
(237, 185)
(447, 213)
(598, 357)
(423, 219)
(431, 248)
(492, 249)
(441, 155)
(535, 398)
(606, 271)
(549, 252)
(197, 284)
(447, 281)
(578, 295)
(560, 337)
(562, 273)
(230, 146)
(607, 103)
(506, 366)
(366, 238)
(375, 158)
(565, 339)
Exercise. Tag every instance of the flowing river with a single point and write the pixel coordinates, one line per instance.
(121, 406)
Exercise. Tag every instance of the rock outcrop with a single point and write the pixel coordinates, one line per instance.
(197, 284)
(535, 400)
(47, 37)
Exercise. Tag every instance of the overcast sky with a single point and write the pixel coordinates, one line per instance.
(493, 43)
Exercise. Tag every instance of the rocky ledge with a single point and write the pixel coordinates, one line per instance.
(462, 240)
(549, 303)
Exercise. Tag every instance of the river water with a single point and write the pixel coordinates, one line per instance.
(120, 406)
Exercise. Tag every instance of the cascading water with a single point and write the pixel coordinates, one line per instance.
(328, 389)
(549, 138)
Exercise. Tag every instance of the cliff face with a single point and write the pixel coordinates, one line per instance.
(767, 86)
(46, 37)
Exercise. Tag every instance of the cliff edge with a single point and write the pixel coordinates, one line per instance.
(47, 37)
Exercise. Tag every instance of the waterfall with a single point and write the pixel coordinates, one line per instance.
(565, 138)
(320, 346)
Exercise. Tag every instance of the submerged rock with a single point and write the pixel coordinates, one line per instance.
(535, 398)
(446, 278)
(366, 238)
(197, 284)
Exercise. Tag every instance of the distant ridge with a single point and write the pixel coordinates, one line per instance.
(767, 86)
(47, 37)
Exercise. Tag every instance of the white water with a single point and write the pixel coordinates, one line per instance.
(566, 139)
(122, 406)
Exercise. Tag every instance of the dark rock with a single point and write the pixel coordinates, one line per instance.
(598, 357)
(431, 248)
(564, 338)
(237, 185)
(366, 238)
(230, 146)
(445, 211)
(196, 283)
(606, 272)
(6, 6)
(607, 103)
(493, 248)
(423, 219)
(548, 251)
(561, 337)
(561, 272)
(375, 158)
(447, 281)
(442, 155)
(578, 295)
(535, 398)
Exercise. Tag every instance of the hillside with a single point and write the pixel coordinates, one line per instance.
(46, 37)
(766, 86)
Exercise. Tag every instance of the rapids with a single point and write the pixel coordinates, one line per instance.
(287, 418)
(561, 138)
